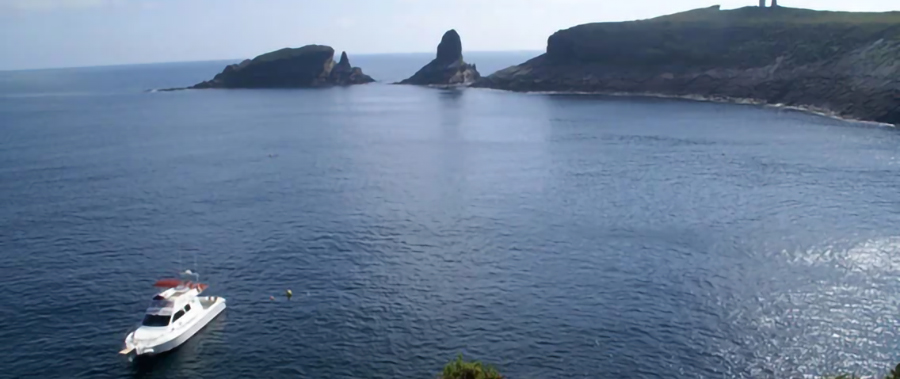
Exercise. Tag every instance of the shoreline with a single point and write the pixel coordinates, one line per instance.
(708, 99)
(823, 112)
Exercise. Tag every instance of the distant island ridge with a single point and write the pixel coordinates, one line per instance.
(841, 63)
(845, 64)
(307, 66)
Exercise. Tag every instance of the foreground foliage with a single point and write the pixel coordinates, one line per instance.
(460, 369)
(895, 374)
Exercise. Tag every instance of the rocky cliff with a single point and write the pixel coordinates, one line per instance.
(448, 68)
(304, 67)
(839, 62)
(344, 74)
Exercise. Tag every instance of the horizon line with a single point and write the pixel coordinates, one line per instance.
(102, 65)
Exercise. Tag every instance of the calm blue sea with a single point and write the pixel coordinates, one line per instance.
(555, 236)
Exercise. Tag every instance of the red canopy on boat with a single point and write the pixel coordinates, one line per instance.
(172, 283)
(167, 283)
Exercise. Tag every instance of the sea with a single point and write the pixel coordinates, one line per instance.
(549, 235)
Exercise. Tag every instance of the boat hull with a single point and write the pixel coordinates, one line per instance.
(217, 305)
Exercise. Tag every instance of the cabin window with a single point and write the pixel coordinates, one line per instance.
(187, 308)
(155, 320)
(177, 316)
(160, 304)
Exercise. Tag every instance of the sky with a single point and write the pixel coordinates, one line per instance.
(72, 33)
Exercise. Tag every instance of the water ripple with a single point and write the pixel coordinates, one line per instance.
(578, 237)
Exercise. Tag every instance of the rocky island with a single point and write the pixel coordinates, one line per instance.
(305, 67)
(841, 63)
(448, 68)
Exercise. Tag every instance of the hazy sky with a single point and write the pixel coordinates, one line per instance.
(64, 33)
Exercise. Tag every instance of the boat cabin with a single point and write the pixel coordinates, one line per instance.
(171, 305)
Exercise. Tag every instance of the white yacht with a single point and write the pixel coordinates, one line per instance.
(174, 316)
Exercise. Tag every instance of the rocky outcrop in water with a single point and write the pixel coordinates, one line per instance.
(305, 67)
(843, 63)
(448, 68)
(344, 74)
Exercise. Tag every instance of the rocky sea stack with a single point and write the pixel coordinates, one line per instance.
(305, 67)
(343, 74)
(844, 63)
(448, 68)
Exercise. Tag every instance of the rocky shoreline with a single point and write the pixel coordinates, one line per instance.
(835, 63)
(715, 99)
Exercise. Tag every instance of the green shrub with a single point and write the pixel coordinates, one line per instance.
(460, 369)
(895, 374)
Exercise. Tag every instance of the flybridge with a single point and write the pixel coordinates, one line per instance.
(176, 287)
(180, 284)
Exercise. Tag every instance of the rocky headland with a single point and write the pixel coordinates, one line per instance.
(842, 63)
(309, 66)
(448, 68)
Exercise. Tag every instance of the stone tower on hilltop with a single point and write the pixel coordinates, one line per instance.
(774, 3)
(762, 3)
